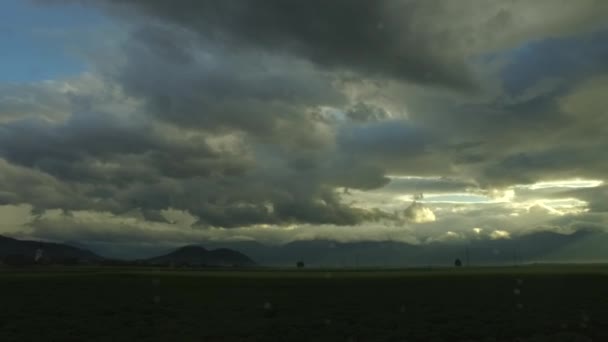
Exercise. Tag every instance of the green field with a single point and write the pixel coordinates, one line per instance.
(541, 303)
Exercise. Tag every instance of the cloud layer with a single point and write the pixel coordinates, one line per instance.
(246, 114)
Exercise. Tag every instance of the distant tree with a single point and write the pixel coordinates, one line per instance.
(457, 263)
(300, 264)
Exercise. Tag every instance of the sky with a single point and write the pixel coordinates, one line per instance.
(129, 123)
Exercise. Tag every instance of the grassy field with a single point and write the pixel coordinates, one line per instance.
(542, 303)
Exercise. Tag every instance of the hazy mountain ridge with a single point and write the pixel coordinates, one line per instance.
(529, 248)
(581, 246)
(10, 247)
(195, 255)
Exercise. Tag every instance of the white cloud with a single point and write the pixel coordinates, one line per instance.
(568, 183)
(500, 234)
(418, 213)
(179, 217)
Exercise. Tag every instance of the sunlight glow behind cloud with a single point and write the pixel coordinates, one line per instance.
(570, 183)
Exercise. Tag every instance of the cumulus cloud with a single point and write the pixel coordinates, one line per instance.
(418, 213)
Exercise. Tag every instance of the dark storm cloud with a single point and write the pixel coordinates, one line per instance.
(241, 65)
(76, 150)
(246, 113)
(543, 123)
(99, 161)
(372, 37)
(212, 89)
(30, 141)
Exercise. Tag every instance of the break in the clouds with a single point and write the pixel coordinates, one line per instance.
(278, 121)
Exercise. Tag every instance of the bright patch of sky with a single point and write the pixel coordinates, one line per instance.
(40, 42)
(494, 196)
(572, 183)
(540, 199)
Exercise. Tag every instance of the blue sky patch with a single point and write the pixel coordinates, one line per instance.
(36, 40)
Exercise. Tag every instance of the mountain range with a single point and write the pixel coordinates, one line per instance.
(14, 251)
(25, 251)
(199, 256)
(539, 247)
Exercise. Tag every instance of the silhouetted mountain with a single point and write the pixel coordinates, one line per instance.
(199, 256)
(539, 247)
(580, 246)
(25, 250)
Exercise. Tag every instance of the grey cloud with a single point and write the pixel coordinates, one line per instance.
(30, 186)
(222, 112)
(363, 112)
(120, 165)
(387, 139)
(32, 100)
(427, 42)
(214, 89)
(428, 185)
(193, 70)
(597, 197)
(377, 38)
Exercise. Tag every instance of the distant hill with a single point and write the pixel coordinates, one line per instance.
(538, 247)
(199, 256)
(25, 251)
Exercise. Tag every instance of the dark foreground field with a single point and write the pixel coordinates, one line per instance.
(526, 303)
